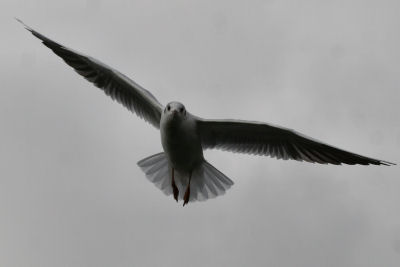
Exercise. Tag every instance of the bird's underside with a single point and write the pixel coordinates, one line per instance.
(201, 181)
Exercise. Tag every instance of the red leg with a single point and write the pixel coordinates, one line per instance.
(187, 193)
(174, 187)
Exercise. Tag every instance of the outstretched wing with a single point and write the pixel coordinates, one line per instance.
(112, 82)
(264, 139)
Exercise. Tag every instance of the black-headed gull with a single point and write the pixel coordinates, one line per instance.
(181, 169)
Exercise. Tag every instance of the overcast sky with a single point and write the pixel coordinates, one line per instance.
(71, 193)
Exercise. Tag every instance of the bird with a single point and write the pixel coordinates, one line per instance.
(181, 169)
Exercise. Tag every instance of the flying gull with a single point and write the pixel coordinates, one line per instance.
(181, 169)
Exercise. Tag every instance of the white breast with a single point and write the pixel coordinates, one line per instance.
(181, 142)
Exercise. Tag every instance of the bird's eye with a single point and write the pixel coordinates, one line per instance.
(168, 107)
(180, 110)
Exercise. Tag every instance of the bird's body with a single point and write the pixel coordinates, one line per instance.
(179, 138)
(181, 169)
(181, 144)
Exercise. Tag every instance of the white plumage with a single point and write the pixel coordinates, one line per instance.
(207, 182)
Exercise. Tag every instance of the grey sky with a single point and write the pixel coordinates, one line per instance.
(72, 195)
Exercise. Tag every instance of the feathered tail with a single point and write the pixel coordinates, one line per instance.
(207, 182)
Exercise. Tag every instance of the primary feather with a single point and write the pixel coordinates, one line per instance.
(265, 139)
(112, 82)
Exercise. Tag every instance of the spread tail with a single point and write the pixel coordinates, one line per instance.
(206, 182)
(157, 170)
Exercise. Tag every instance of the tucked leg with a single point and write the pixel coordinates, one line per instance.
(174, 187)
(187, 193)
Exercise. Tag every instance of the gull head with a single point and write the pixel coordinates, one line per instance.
(174, 111)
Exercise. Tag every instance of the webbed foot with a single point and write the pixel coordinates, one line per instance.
(174, 187)
(186, 197)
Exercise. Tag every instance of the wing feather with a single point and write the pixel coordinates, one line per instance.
(274, 141)
(112, 82)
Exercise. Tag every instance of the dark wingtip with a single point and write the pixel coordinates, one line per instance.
(386, 163)
(25, 26)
